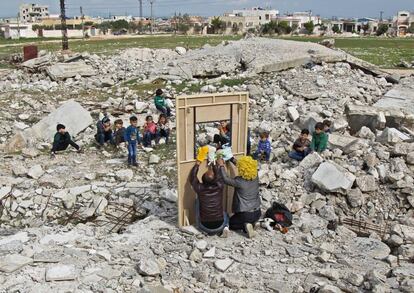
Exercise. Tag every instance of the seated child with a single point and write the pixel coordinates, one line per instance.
(119, 132)
(301, 146)
(104, 132)
(150, 131)
(163, 128)
(264, 147)
(319, 139)
(62, 140)
(327, 126)
(225, 134)
(160, 103)
(132, 138)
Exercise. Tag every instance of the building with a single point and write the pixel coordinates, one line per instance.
(298, 19)
(241, 21)
(402, 22)
(33, 12)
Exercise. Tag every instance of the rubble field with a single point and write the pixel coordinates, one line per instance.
(85, 222)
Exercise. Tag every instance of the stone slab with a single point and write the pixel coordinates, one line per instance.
(60, 71)
(13, 262)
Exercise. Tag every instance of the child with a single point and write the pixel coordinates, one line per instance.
(327, 126)
(104, 132)
(119, 132)
(264, 147)
(301, 146)
(150, 131)
(225, 134)
(319, 139)
(62, 140)
(160, 103)
(163, 128)
(132, 138)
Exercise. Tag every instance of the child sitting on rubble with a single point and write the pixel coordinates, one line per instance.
(327, 126)
(264, 148)
(319, 139)
(62, 140)
(104, 132)
(163, 127)
(150, 131)
(161, 104)
(132, 139)
(119, 132)
(301, 146)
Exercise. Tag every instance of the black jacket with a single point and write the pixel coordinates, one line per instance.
(62, 141)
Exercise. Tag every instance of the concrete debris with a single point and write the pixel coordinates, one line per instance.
(89, 219)
(61, 71)
(333, 178)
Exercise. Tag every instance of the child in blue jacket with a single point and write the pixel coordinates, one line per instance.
(132, 138)
(264, 147)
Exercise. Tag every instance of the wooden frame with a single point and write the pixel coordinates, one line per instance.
(200, 109)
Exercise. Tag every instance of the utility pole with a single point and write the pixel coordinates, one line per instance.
(65, 42)
(152, 16)
(140, 10)
(83, 24)
(18, 24)
(381, 14)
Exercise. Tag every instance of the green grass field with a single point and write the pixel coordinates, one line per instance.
(385, 53)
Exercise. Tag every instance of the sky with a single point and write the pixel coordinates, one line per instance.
(325, 8)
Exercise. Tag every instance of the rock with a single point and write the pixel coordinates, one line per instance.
(344, 143)
(355, 279)
(125, 175)
(311, 161)
(148, 267)
(293, 113)
(61, 273)
(180, 50)
(367, 183)
(13, 262)
(16, 143)
(107, 82)
(196, 256)
(154, 159)
(61, 71)
(190, 230)
(329, 289)
(327, 212)
(141, 107)
(5, 191)
(223, 264)
(78, 190)
(278, 102)
(210, 253)
(35, 172)
(331, 177)
(366, 133)
(201, 276)
(391, 136)
(330, 43)
(355, 197)
(71, 114)
(369, 247)
(201, 245)
(169, 195)
(340, 124)
(410, 158)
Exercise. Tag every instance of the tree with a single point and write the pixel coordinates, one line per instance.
(295, 26)
(217, 24)
(309, 26)
(382, 29)
(235, 28)
(104, 27)
(198, 28)
(365, 28)
(120, 25)
(336, 29)
(411, 29)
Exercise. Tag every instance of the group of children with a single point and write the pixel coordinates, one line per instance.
(303, 146)
(117, 134)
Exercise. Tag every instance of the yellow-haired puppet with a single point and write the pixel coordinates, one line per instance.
(246, 199)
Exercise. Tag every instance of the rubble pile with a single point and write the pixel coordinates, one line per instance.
(353, 204)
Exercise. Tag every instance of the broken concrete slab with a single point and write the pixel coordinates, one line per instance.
(71, 114)
(13, 262)
(400, 98)
(36, 63)
(61, 273)
(366, 183)
(359, 116)
(223, 264)
(311, 161)
(392, 136)
(333, 178)
(341, 142)
(61, 71)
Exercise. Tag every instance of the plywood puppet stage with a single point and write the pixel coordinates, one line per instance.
(193, 110)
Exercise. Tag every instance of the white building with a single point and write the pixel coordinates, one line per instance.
(33, 12)
(298, 19)
(402, 22)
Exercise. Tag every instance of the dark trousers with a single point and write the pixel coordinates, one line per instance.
(64, 145)
(148, 137)
(164, 110)
(238, 220)
(164, 133)
(132, 152)
(103, 137)
(257, 155)
(299, 156)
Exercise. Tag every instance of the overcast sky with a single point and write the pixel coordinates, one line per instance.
(326, 8)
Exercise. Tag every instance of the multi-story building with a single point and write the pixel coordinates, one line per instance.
(402, 22)
(298, 19)
(33, 12)
(243, 20)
